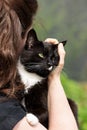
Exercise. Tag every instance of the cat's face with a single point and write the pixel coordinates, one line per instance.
(39, 57)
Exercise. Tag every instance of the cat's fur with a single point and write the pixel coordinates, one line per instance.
(37, 60)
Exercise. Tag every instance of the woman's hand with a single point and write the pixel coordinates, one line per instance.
(61, 52)
(58, 106)
(52, 40)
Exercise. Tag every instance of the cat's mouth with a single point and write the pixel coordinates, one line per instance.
(50, 68)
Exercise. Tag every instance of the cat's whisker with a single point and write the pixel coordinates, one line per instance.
(29, 64)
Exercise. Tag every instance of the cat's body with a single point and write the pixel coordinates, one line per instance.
(37, 60)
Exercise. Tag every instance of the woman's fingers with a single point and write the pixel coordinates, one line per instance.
(61, 50)
(61, 53)
(52, 40)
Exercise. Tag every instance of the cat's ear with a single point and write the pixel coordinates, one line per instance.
(31, 38)
(64, 42)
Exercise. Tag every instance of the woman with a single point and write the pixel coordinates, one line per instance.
(15, 21)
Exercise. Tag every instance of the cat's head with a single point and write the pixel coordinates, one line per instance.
(39, 57)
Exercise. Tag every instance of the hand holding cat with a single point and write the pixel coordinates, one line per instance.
(52, 40)
(58, 106)
(61, 52)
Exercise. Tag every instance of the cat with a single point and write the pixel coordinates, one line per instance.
(36, 62)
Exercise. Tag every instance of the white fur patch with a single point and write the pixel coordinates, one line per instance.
(29, 79)
(32, 119)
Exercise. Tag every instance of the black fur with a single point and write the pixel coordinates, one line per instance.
(36, 98)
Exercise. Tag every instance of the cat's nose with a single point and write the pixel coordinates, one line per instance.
(50, 64)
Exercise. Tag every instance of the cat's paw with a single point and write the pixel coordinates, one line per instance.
(32, 119)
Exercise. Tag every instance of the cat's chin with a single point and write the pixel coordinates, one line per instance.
(46, 72)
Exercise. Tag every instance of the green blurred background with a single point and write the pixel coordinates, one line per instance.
(67, 20)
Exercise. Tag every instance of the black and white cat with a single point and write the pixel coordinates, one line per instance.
(36, 62)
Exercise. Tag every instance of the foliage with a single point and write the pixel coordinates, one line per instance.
(66, 19)
(78, 93)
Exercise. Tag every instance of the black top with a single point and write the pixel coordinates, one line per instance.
(11, 111)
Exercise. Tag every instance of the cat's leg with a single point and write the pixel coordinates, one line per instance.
(32, 119)
(41, 114)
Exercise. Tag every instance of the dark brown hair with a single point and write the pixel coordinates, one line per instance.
(15, 18)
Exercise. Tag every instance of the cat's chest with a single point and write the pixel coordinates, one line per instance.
(28, 79)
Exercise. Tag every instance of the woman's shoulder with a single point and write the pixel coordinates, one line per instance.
(11, 112)
(24, 125)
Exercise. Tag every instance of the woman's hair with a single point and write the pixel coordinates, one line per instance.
(15, 18)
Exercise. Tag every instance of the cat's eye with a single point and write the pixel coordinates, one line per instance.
(41, 55)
